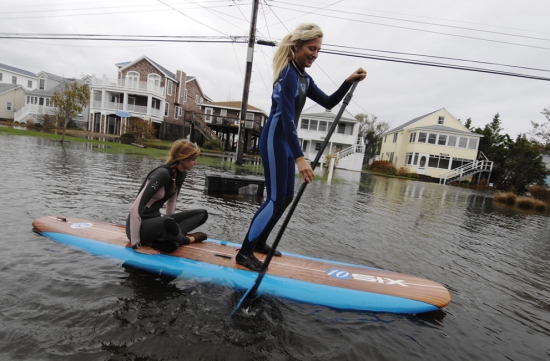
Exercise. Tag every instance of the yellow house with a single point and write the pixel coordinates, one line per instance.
(434, 145)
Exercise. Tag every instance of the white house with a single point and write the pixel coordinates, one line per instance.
(345, 143)
(12, 97)
(436, 145)
(12, 75)
(38, 101)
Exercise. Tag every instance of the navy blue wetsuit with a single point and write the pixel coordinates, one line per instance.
(146, 225)
(279, 148)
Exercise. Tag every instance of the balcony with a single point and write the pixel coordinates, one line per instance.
(127, 84)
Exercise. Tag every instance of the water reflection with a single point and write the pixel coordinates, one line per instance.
(493, 258)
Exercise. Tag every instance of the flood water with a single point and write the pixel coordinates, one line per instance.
(57, 302)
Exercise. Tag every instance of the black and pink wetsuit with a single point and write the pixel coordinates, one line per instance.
(147, 226)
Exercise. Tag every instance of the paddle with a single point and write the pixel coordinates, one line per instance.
(269, 256)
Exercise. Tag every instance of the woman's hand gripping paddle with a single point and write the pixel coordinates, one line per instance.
(269, 256)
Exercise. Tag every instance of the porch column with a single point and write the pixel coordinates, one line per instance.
(125, 102)
(149, 105)
(103, 96)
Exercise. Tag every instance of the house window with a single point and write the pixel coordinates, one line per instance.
(48, 102)
(459, 162)
(391, 157)
(473, 143)
(14, 80)
(29, 84)
(305, 124)
(409, 158)
(395, 137)
(42, 84)
(462, 142)
(412, 137)
(223, 112)
(318, 146)
(385, 138)
(169, 88)
(322, 126)
(185, 95)
(422, 137)
(329, 125)
(8, 106)
(304, 145)
(438, 161)
(180, 110)
(452, 141)
(166, 107)
(153, 81)
(431, 138)
(442, 139)
(132, 78)
(176, 111)
(341, 128)
(440, 120)
(208, 117)
(249, 116)
(197, 98)
(313, 124)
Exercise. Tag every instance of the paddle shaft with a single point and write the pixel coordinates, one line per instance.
(269, 256)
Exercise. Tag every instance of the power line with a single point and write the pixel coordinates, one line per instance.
(420, 30)
(421, 22)
(433, 64)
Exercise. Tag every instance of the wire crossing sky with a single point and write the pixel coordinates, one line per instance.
(474, 58)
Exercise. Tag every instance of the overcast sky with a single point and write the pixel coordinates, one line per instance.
(487, 33)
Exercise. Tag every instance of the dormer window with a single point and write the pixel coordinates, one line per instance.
(440, 120)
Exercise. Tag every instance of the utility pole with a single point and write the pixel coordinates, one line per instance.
(246, 88)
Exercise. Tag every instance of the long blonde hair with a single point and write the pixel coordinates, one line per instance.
(182, 149)
(286, 52)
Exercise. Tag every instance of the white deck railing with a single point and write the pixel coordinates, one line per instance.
(33, 109)
(125, 84)
(466, 170)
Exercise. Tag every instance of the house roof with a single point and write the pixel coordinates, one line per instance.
(5, 88)
(435, 127)
(165, 71)
(320, 112)
(51, 91)
(236, 105)
(17, 70)
(52, 76)
(406, 124)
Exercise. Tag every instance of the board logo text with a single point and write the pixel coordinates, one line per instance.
(344, 275)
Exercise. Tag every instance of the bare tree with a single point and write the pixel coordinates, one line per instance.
(371, 129)
(70, 102)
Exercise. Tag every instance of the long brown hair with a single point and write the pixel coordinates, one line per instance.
(182, 149)
(286, 52)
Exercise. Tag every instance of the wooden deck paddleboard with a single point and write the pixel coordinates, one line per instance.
(292, 276)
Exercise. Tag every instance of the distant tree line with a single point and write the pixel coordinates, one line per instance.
(517, 163)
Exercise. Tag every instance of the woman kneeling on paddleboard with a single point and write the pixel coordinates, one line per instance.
(145, 225)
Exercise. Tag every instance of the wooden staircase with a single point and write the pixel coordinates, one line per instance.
(203, 128)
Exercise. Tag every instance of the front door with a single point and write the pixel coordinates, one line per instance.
(422, 163)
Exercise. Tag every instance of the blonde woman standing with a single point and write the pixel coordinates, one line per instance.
(145, 225)
(279, 145)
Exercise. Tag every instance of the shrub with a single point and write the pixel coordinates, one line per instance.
(383, 166)
(213, 144)
(505, 197)
(127, 138)
(525, 202)
(540, 206)
(540, 193)
(413, 175)
(403, 172)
